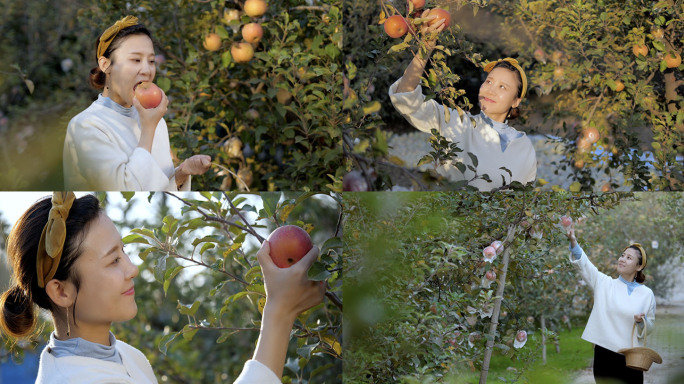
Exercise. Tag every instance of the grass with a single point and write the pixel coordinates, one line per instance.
(575, 355)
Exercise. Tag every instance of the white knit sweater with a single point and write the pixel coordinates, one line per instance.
(479, 135)
(612, 317)
(135, 369)
(101, 153)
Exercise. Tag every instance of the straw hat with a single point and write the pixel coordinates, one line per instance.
(640, 358)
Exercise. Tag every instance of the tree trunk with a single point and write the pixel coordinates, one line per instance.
(543, 329)
(497, 306)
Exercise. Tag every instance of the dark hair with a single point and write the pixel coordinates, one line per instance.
(98, 78)
(17, 313)
(512, 112)
(640, 276)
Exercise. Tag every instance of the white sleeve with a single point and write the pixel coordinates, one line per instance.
(90, 153)
(588, 271)
(427, 115)
(255, 372)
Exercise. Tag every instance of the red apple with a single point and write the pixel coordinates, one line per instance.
(417, 4)
(354, 182)
(148, 94)
(255, 8)
(673, 60)
(396, 26)
(490, 275)
(566, 221)
(433, 309)
(640, 50)
(441, 14)
(489, 253)
(252, 32)
(591, 134)
(289, 244)
(498, 246)
(521, 336)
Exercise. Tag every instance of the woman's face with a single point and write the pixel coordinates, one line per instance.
(132, 63)
(628, 262)
(499, 92)
(106, 291)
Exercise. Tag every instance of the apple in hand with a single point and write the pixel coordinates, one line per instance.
(148, 94)
(289, 244)
(566, 221)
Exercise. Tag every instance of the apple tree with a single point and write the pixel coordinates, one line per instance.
(206, 291)
(614, 71)
(419, 283)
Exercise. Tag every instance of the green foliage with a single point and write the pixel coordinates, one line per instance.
(416, 280)
(579, 51)
(208, 287)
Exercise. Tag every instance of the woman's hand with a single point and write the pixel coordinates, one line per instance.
(289, 291)
(414, 71)
(149, 119)
(570, 233)
(431, 31)
(194, 165)
(639, 318)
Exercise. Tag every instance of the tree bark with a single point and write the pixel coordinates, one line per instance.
(497, 306)
(671, 84)
(543, 329)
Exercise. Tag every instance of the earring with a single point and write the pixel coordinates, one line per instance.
(68, 325)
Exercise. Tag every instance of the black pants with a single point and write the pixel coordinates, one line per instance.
(610, 368)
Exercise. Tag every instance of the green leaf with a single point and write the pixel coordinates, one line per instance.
(134, 238)
(128, 196)
(305, 351)
(270, 200)
(164, 83)
(188, 332)
(318, 272)
(165, 341)
(252, 273)
(333, 242)
(189, 310)
(206, 246)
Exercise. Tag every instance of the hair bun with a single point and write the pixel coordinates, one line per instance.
(17, 315)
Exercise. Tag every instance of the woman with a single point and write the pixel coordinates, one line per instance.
(487, 135)
(116, 144)
(68, 258)
(618, 305)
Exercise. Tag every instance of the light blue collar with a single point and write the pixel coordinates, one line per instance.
(81, 347)
(118, 108)
(631, 285)
(505, 131)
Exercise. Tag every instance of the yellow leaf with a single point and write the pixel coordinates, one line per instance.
(285, 212)
(333, 343)
(382, 17)
(308, 228)
(575, 187)
(372, 107)
(396, 160)
(261, 303)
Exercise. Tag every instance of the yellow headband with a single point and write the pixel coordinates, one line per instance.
(52, 239)
(489, 66)
(111, 32)
(641, 249)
